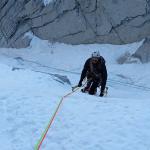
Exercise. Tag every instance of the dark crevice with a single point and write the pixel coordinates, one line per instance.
(147, 6)
(88, 7)
(2, 7)
(8, 9)
(124, 21)
(95, 8)
(84, 16)
(4, 36)
(96, 16)
(59, 16)
(39, 8)
(70, 34)
(113, 28)
(141, 25)
(55, 6)
(22, 34)
(41, 15)
(129, 19)
(18, 24)
(83, 12)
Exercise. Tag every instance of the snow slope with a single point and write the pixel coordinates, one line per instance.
(31, 91)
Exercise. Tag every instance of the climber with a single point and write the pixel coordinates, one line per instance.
(95, 72)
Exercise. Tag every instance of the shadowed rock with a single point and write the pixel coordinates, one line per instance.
(143, 53)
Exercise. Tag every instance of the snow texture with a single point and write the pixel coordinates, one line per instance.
(46, 2)
(31, 91)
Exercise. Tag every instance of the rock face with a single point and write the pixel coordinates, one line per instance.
(143, 53)
(74, 21)
(15, 21)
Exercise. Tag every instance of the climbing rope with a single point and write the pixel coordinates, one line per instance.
(43, 136)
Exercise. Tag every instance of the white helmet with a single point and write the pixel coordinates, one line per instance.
(96, 54)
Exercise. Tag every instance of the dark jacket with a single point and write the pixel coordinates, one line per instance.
(99, 68)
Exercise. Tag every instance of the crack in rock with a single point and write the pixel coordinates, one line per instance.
(74, 21)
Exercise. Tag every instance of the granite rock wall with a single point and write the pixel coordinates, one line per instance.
(74, 21)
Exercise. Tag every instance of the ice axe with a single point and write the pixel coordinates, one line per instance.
(74, 88)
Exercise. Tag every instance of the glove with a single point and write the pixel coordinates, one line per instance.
(80, 84)
(101, 95)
